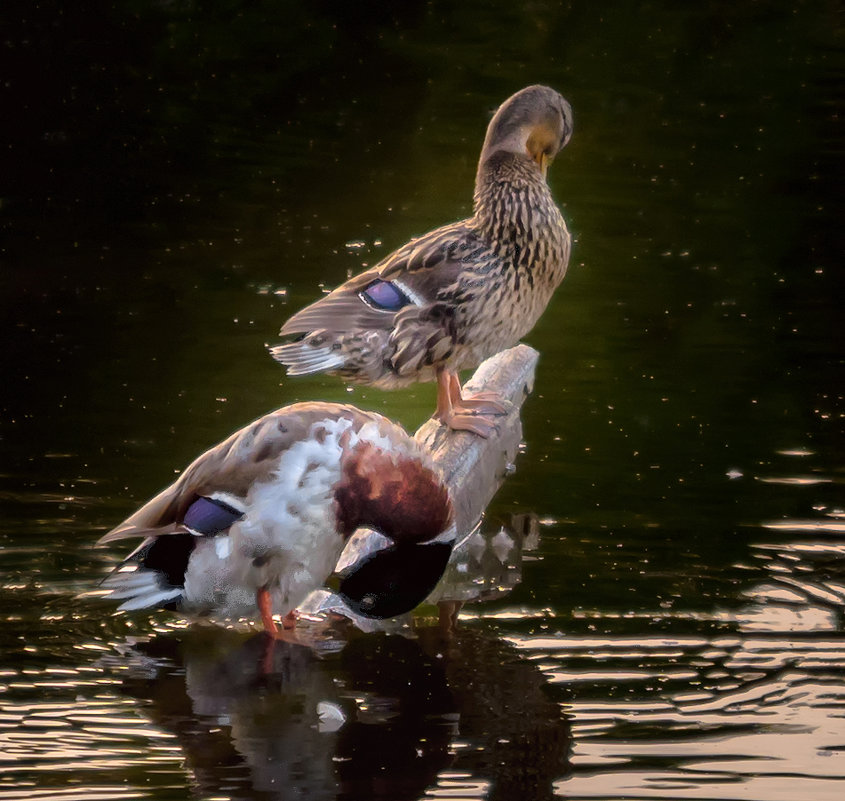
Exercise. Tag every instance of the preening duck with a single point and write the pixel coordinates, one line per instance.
(259, 521)
(461, 293)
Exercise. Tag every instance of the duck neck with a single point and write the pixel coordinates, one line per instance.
(393, 493)
(513, 206)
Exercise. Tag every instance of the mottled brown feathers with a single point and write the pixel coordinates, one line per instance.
(494, 272)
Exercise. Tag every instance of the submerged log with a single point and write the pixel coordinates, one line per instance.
(474, 468)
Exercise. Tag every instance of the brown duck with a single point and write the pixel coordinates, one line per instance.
(447, 300)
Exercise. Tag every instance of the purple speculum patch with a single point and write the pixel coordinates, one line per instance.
(384, 295)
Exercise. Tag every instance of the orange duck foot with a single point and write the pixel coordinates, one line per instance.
(265, 607)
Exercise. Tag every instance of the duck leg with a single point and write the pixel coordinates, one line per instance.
(265, 607)
(464, 414)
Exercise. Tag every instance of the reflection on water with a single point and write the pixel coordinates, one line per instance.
(744, 717)
(758, 713)
(388, 718)
(434, 709)
(489, 563)
(742, 703)
(805, 590)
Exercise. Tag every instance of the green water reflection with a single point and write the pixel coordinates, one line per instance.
(178, 178)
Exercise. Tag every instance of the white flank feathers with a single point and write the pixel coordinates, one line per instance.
(222, 547)
(287, 539)
(370, 433)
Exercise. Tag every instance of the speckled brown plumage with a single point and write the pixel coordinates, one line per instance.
(460, 293)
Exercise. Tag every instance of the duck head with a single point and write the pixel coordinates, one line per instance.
(536, 121)
(393, 580)
(396, 494)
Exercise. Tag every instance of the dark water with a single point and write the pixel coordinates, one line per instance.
(177, 178)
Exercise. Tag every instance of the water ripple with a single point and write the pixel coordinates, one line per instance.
(75, 736)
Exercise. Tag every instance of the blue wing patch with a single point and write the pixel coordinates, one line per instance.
(209, 516)
(384, 296)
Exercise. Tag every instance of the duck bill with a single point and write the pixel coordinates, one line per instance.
(544, 161)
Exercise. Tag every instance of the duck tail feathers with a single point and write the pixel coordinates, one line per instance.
(140, 588)
(157, 516)
(153, 575)
(306, 356)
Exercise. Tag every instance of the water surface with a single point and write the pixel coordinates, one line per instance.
(179, 179)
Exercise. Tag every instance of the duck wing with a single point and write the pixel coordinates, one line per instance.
(226, 472)
(392, 319)
(191, 513)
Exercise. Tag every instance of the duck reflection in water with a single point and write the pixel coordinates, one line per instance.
(386, 718)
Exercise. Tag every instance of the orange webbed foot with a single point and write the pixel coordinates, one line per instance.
(468, 421)
(487, 403)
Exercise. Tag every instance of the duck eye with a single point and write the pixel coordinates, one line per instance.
(384, 296)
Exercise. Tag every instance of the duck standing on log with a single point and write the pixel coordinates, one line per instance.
(461, 293)
(259, 521)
